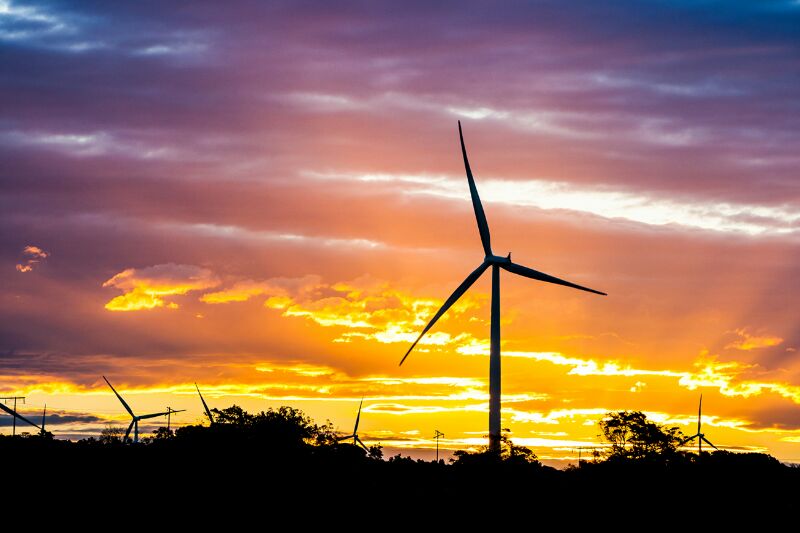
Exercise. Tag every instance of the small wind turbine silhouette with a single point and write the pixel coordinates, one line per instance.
(496, 262)
(44, 416)
(135, 419)
(354, 436)
(15, 414)
(699, 436)
(205, 406)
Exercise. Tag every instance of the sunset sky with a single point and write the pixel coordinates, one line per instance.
(269, 199)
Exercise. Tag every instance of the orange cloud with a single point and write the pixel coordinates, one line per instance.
(146, 288)
(275, 287)
(368, 308)
(33, 255)
(748, 342)
(728, 378)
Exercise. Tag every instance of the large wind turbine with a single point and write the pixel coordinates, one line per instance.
(354, 436)
(496, 262)
(135, 419)
(15, 414)
(205, 406)
(699, 436)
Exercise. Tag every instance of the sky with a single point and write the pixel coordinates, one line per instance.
(268, 199)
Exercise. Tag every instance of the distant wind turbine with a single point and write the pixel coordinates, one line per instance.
(354, 436)
(699, 436)
(15, 414)
(496, 262)
(44, 416)
(135, 419)
(205, 406)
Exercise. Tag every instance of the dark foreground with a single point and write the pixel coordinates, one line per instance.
(280, 468)
(257, 475)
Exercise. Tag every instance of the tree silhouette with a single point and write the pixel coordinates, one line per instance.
(111, 435)
(633, 436)
(509, 453)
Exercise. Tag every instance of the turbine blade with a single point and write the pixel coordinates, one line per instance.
(154, 415)
(340, 439)
(358, 417)
(709, 443)
(480, 216)
(699, 414)
(541, 276)
(688, 439)
(205, 406)
(362, 444)
(17, 415)
(125, 405)
(466, 284)
(128, 432)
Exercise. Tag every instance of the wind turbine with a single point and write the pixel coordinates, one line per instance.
(354, 436)
(699, 436)
(135, 419)
(496, 262)
(16, 415)
(205, 406)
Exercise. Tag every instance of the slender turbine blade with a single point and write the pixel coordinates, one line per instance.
(17, 415)
(688, 439)
(125, 405)
(340, 439)
(699, 414)
(541, 276)
(154, 415)
(466, 284)
(480, 216)
(128, 432)
(44, 416)
(358, 417)
(362, 444)
(709, 443)
(205, 406)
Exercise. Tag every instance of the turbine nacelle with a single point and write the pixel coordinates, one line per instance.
(498, 260)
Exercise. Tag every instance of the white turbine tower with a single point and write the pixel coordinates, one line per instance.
(354, 435)
(699, 435)
(496, 262)
(135, 419)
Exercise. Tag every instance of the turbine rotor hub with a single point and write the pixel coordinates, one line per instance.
(495, 259)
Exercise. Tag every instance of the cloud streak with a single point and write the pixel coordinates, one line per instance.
(147, 288)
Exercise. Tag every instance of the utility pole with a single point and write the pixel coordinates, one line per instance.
(14, 423)
(170, 410)
(436, 436)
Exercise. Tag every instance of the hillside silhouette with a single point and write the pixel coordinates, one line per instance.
(284, 456)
